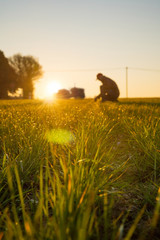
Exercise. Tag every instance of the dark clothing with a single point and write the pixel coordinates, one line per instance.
(109, 90)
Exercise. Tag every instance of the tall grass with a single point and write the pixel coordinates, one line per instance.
(101, 182)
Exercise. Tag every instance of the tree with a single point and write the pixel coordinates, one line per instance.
(8, 77)
(28, 70)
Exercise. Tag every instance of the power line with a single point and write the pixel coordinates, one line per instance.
(144, 69)
(83, 70)
(102, 69)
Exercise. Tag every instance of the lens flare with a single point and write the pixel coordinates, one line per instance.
(59, 136)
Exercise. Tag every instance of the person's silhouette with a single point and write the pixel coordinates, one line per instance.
(108, 90)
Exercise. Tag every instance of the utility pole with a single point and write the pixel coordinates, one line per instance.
(126, 82)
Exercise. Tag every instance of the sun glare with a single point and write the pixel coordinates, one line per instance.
(52, 87)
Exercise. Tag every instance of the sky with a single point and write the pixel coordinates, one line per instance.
(74, 40)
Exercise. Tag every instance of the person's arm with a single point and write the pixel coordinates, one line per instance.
(95, 99)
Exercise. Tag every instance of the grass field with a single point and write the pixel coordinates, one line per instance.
(79, 169)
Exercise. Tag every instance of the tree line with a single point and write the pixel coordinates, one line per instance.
(18, 72)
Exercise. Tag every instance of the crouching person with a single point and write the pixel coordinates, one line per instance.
(108, 90)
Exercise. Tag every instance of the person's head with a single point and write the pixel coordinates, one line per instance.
(100, 76)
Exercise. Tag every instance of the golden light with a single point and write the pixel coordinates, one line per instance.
(51, 88)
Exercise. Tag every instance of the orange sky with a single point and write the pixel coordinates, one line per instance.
(74, 40)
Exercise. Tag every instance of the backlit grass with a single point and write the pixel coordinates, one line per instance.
(79, 169)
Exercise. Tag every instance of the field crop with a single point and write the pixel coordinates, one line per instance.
(79, 169)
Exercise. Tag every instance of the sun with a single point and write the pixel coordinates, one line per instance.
(51, 88)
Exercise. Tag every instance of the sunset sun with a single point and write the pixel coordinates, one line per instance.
(52, 87)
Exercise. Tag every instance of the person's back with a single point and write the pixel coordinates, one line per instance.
(109, 89)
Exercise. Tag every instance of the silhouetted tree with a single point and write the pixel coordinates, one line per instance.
(8, 77)
(28, 70)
